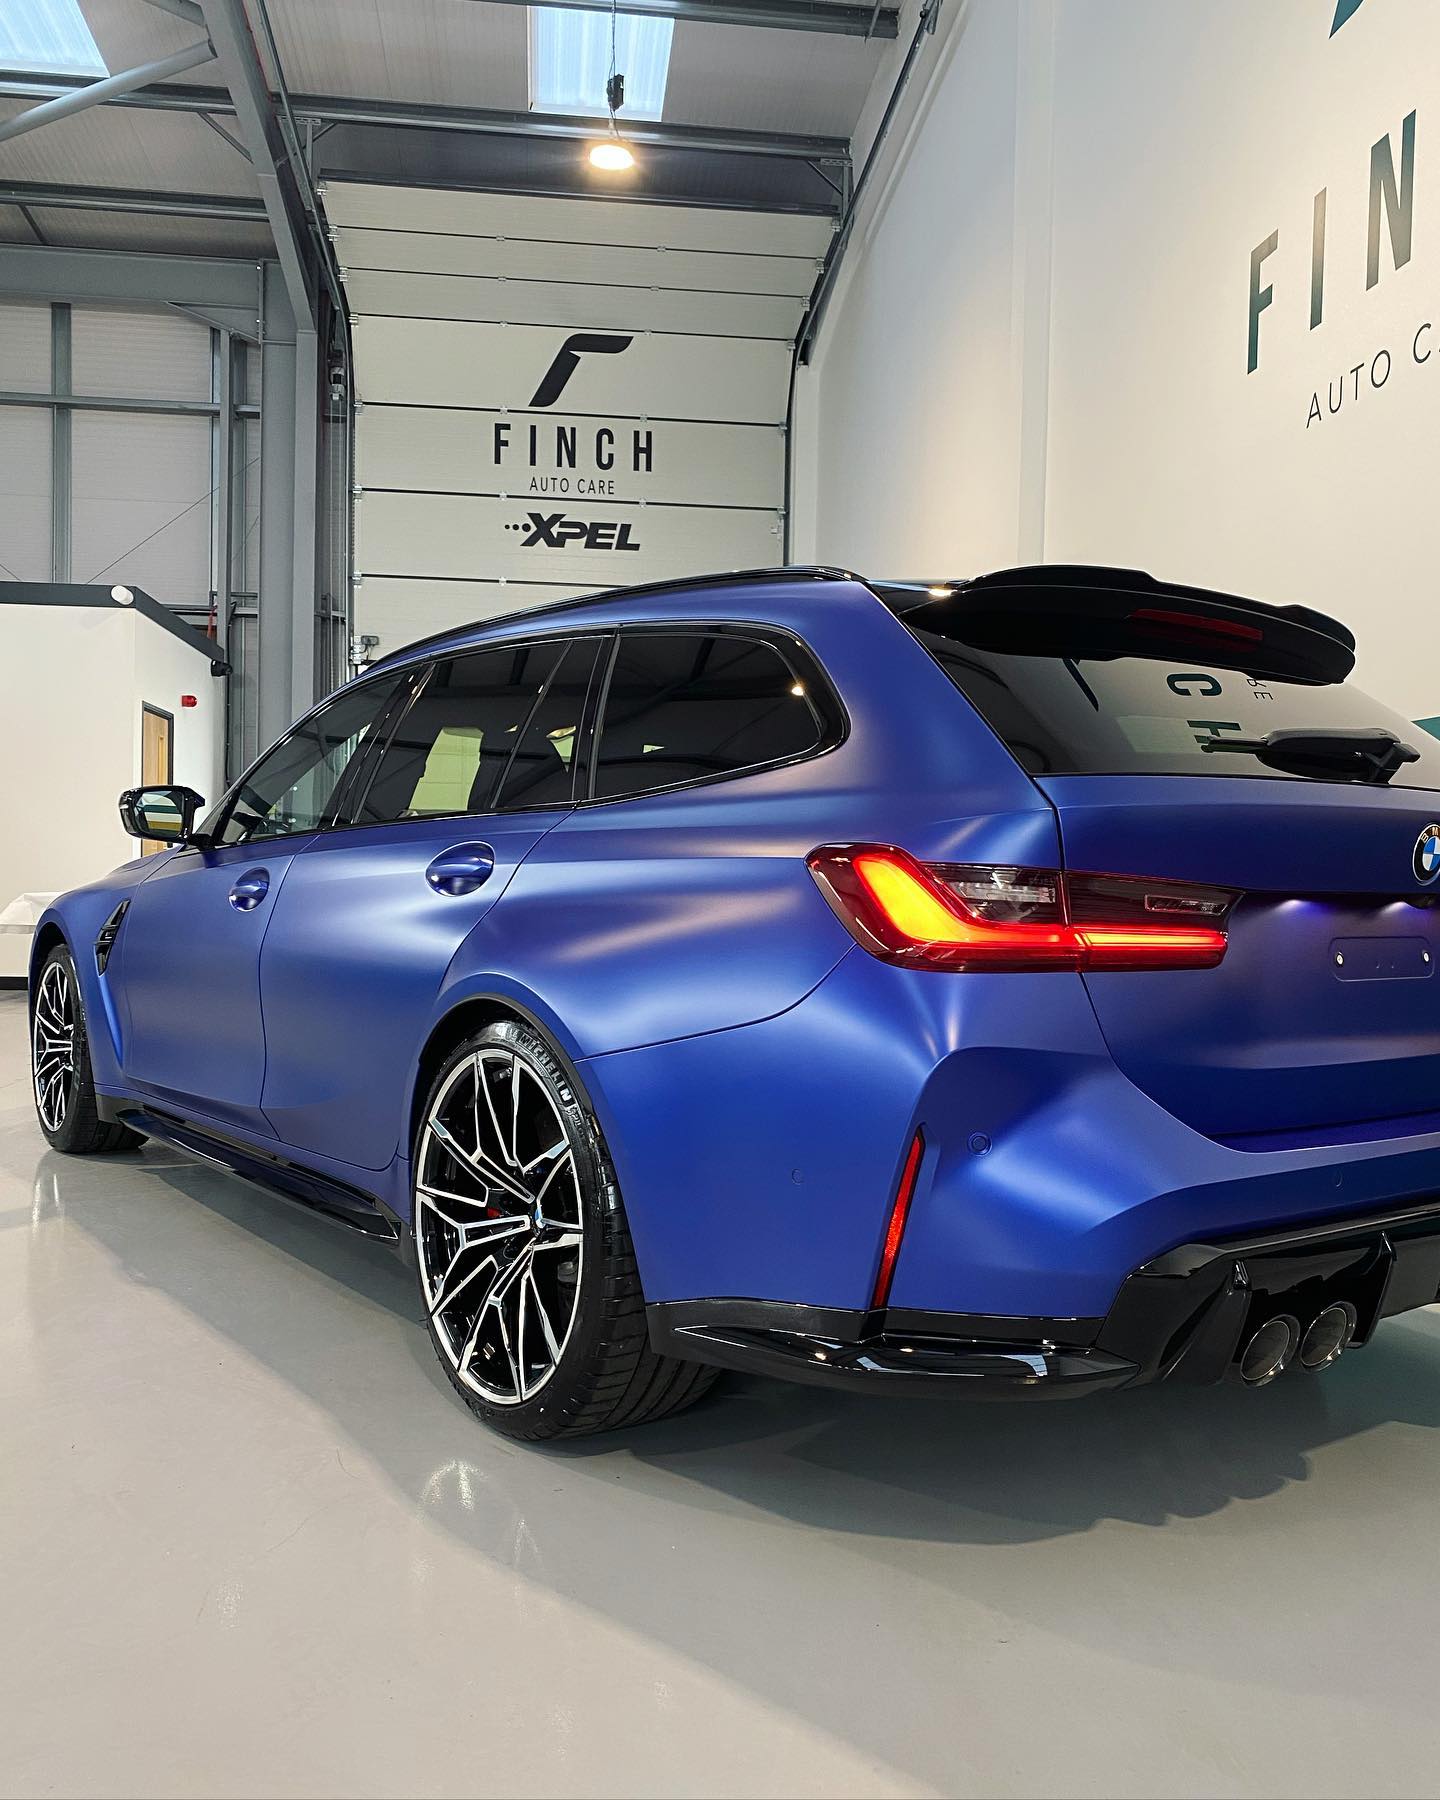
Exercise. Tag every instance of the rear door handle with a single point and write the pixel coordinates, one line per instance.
(461, 869)
(250, 890)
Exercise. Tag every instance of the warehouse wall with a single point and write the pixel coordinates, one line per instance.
(1041, 345)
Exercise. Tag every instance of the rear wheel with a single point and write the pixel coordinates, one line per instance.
(527, 1273)
(61, 1075)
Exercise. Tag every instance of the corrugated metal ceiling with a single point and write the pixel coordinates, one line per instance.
(465, 53)
(470, 53)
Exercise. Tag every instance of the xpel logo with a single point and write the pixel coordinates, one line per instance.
(555, 532)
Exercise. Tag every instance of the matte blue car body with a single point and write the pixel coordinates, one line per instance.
(759, 1077)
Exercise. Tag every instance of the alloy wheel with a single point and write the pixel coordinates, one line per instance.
(499, 1226)
(53, 1046)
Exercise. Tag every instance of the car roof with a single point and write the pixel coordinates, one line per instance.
(558, 611)
(899, 596)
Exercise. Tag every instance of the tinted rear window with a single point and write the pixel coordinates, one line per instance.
(692, 706)
(1124, 715)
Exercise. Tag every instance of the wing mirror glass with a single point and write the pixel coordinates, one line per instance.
(165, 815)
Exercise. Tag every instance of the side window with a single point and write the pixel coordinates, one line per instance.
(291, 789)
(683, 706)
(450, 751)
(542, 771)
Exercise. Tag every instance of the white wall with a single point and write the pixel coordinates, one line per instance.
(1039, 346)
(72, 684)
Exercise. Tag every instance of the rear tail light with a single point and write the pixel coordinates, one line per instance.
(963, 916)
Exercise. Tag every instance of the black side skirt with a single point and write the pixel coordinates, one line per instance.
(336, 1200)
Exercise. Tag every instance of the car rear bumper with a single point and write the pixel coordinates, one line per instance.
(1185, 1316)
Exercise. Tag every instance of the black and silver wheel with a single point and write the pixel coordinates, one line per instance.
(527, 1272)
(61, 1076)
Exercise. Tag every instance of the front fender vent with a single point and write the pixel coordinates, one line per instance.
(109, 931)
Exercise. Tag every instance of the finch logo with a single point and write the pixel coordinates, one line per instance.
(555, 532)
(1344, 9)
(567, 361)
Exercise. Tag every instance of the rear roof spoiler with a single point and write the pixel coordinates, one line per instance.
(1127, 612)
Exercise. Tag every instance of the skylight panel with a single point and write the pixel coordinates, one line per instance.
(48, 37)
(570, 61)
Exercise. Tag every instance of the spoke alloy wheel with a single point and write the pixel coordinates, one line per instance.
(53, 1046)
(499, 1226)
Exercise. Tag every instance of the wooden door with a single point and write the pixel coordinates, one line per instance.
(157, 759)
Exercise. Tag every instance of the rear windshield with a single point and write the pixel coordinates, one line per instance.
(1122, 715)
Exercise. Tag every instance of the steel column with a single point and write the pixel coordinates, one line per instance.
(60, 440)
(278, 475)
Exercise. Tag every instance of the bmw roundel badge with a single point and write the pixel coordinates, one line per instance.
(1427, 854)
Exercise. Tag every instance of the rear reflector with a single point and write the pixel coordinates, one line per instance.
(899, 1212)
(967, 917)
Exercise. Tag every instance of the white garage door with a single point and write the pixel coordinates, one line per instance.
(561, 395)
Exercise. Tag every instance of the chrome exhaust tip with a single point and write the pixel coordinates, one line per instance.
(1269, 1350)
(1328, 1336)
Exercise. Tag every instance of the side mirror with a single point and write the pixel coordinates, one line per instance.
(162, 814)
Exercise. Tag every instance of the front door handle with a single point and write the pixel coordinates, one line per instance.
(250, 890)
(461, 869)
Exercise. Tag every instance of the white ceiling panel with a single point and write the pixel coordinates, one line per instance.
(155, 233)
(115, 146)
(379, 205)
(762, 80)
(533, 259)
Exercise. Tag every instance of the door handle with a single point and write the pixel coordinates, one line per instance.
(462, 869)
(250, 890)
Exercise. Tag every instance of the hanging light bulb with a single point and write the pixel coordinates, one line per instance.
(612, 153)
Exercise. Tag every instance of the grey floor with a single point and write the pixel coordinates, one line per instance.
(250, 1544)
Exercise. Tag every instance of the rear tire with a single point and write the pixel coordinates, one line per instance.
(62, 1079)
(527, 1272)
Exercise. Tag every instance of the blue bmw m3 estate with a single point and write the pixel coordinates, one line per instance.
(1015, 986)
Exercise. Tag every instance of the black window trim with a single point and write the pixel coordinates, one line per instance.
(418, 680)
(828, 709)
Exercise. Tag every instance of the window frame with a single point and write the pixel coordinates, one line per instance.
(382, 725)
(804, 665)
(419, 679)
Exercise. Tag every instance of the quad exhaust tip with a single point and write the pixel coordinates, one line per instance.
(1269, 1350)
(1328, 1336)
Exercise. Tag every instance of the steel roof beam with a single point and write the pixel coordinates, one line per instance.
(331, 109)
(113, 87)
(865, 20)
(130, 200)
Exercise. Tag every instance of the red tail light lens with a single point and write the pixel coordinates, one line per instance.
(962, 916)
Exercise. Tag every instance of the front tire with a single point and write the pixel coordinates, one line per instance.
(61, 1076)
(527, 1272)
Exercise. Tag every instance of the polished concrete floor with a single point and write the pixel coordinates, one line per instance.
(250, 1544)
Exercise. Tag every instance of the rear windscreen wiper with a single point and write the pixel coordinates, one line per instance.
(1373, 755)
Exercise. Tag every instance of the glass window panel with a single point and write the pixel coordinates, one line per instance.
(687, 706)
(450, 751)
(291, 789)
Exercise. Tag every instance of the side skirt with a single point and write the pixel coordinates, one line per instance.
(335, 1200)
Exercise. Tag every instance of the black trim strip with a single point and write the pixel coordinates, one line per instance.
(336, 1200)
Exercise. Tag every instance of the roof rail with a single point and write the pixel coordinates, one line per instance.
(679, 585)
